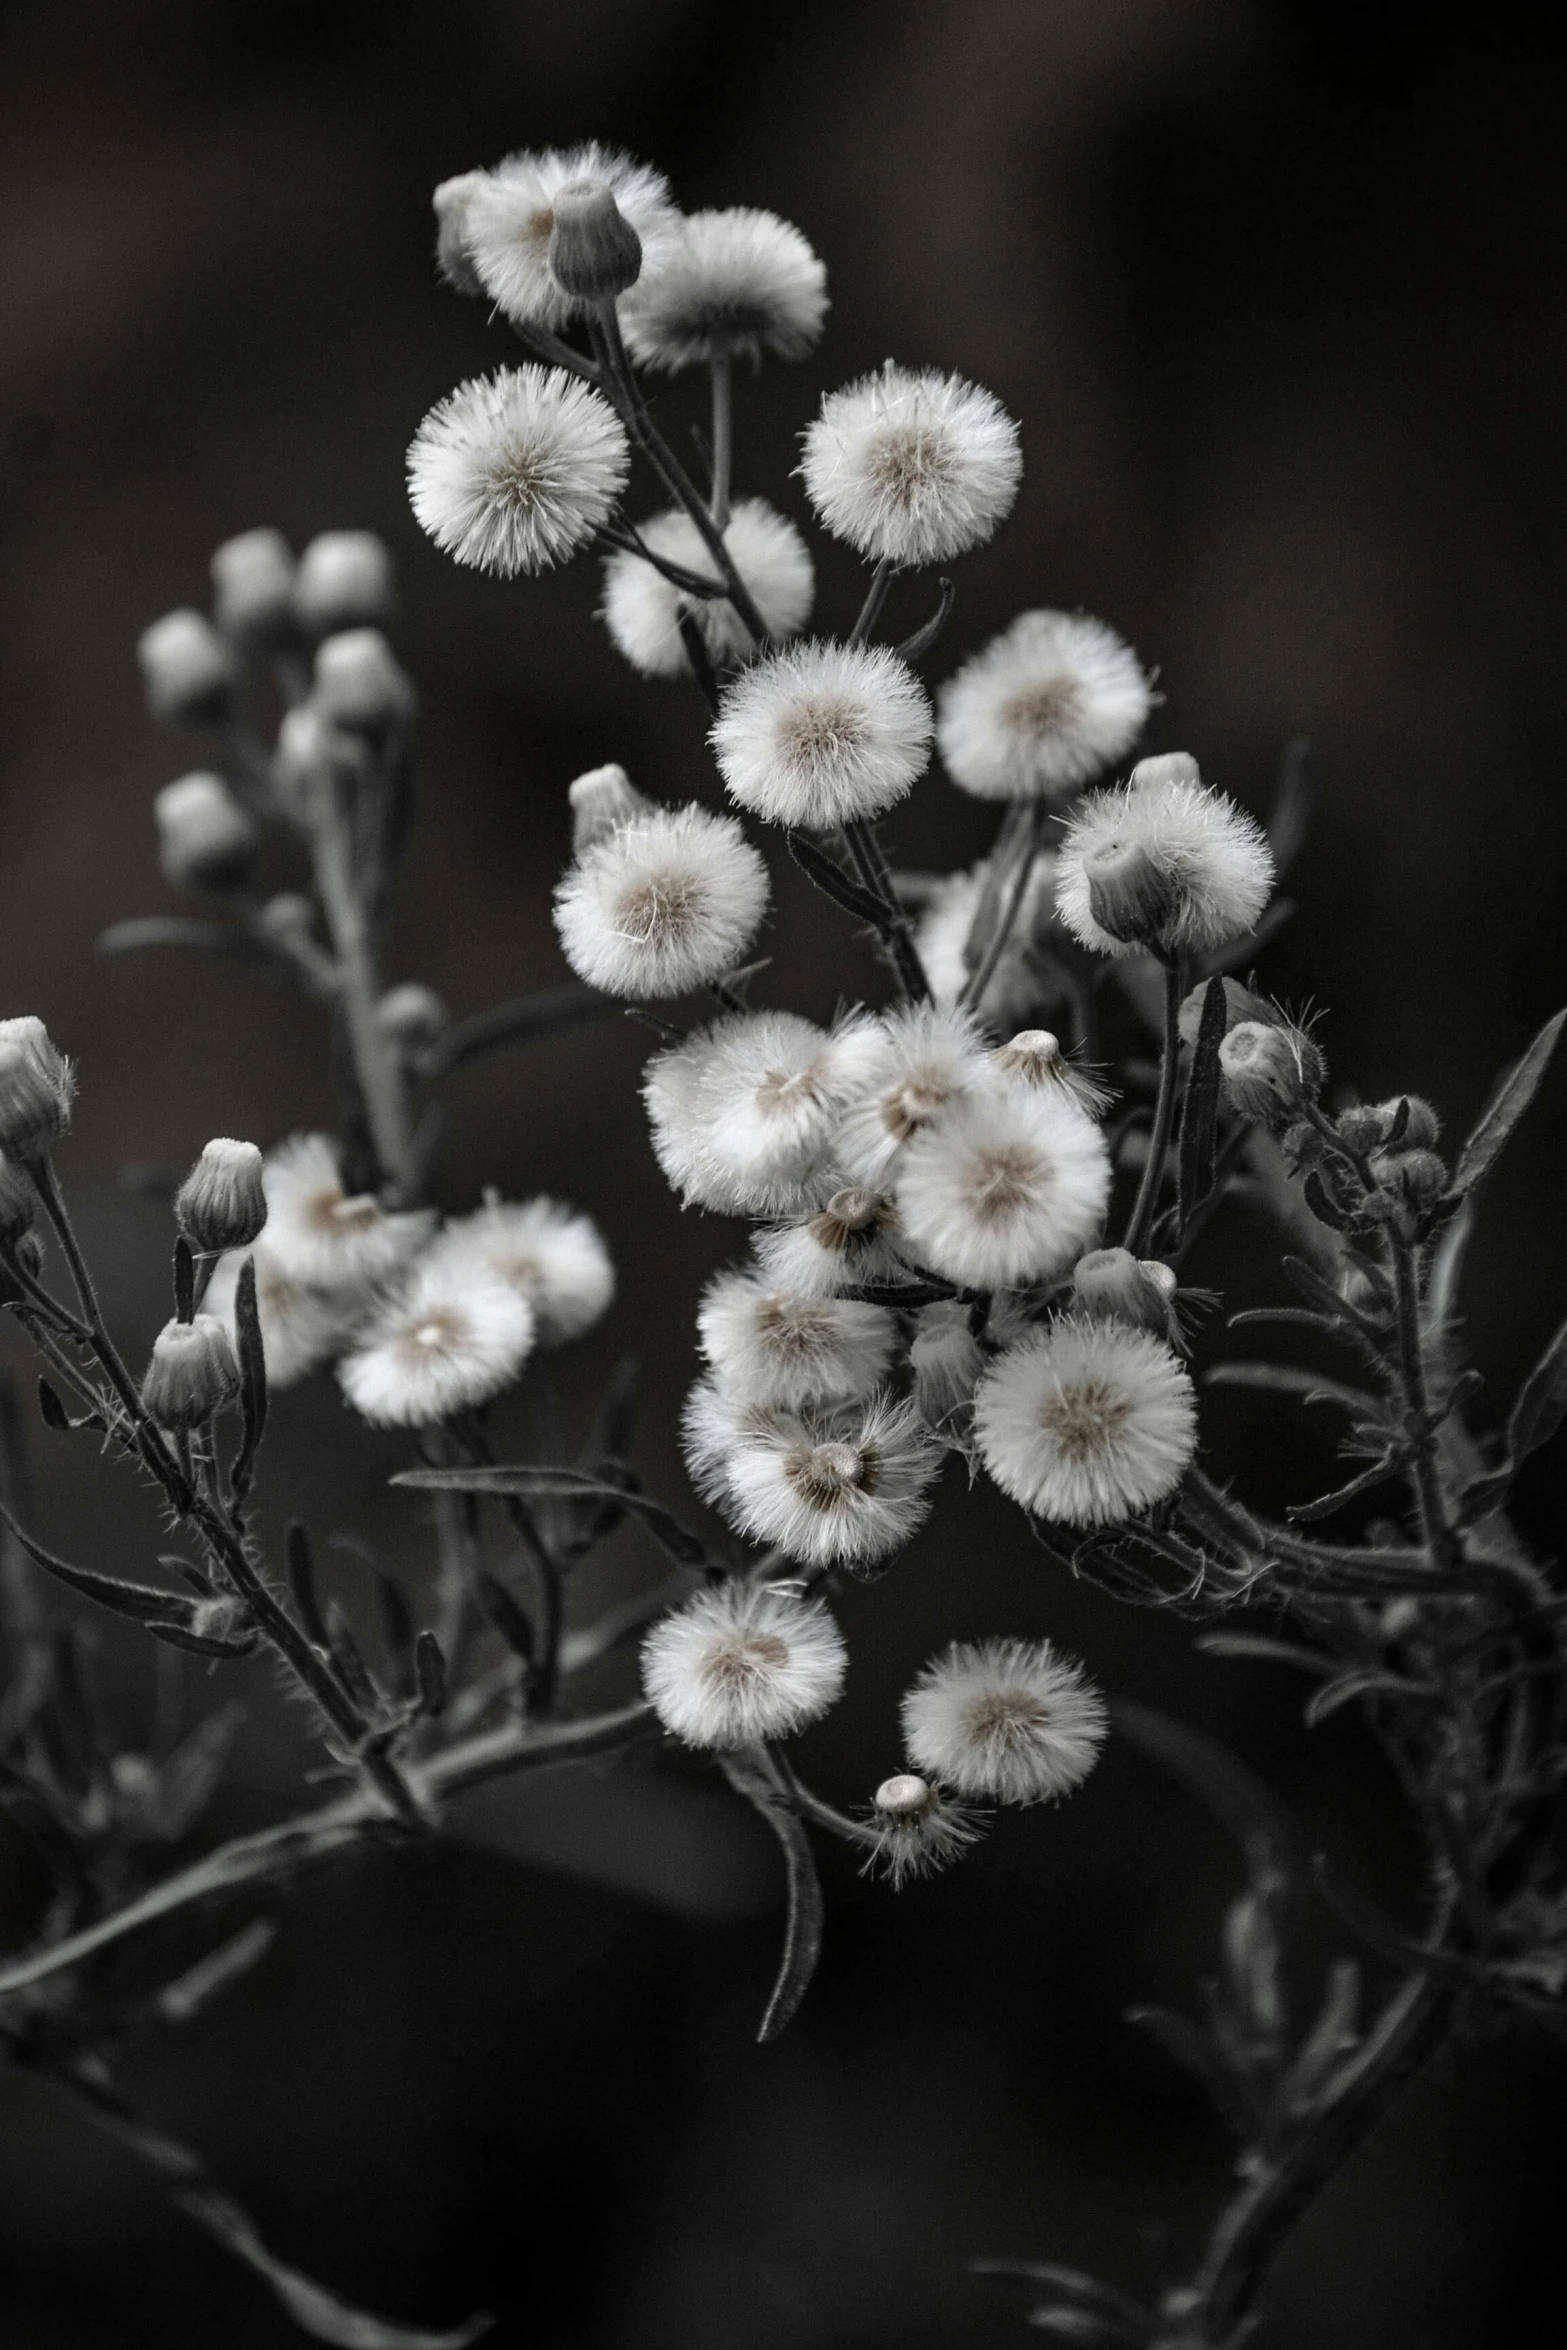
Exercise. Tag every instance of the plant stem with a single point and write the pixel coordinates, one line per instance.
(722, 370)
(375, 1056)
(979, 979)
(893, 925)
(1147, 1204)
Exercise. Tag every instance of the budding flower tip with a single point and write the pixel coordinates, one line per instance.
(594, 252)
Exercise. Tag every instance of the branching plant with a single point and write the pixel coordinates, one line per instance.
(973, 1205)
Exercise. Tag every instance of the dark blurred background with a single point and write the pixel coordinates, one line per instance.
(1275, 293)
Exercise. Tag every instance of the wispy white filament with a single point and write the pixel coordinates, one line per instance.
(744, 1114)
(766, 1347)
(552, 1255)
(1006, 1187)
(829, 1488)
(738, 281)
(912, 467)
(453, 1338)
(662, 904)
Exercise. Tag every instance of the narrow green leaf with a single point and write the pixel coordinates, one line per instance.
(1200, 1113)
(502, 1482)
(1514, 1091)
(1542, 1401)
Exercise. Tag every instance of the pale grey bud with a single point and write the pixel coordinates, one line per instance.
(289, 918)
(1110, 1284)
(221, 1204)
(192, 1374)
(205, 838)
(905, 1796)
(190, 674)
(601, 802)
(344, 581)
(253, 591)
(36, 1086)
(359, 684)
(1129, 895)
(595, 253)
(413, 1016)
(1165, 768)
(315, 757)
(451, 201)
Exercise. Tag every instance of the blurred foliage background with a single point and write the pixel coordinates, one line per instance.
(1270, 286)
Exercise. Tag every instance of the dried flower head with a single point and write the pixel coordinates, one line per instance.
(822, 734)
(764, 1346)
(920, 1060)
(1164, 862)
(552, 1255)
(742, 1662)
(919, 1829)
(455, 1336)
(736, 282)
(1010, 1720)
(662, 904)
(1034, 1058)
(912, 467)
(848, 1242)
(1046, 707)
(643, 610)
(319, 1235)
(501, 222)
(515, 471)
(1086, 1422)
(1005, 1187)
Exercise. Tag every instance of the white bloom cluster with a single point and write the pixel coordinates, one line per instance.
(495, 226)
(1046, 707)
(741, 1662)
(1007, 1720)
(515, 471)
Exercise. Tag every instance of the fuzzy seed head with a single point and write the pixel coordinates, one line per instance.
(743, 1662)
(515, 471)
(911, 468)
(1008, 1720)
(1086, 1422)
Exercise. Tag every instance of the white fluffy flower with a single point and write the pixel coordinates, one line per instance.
(923, 1058)
(1086, 1422)
(317, 1235)
(552, 1255)
(765, 1347)
(1162, 861)
(830, 1488)
(642, 610)
(663, 904)
(515, 471)
(743, 1114)
(918, 1829)
(822, 733)
(738, 281)
(454, 1338)
(1007, 1719)
(844, 1245)
(912, 467)
(742, 1662)
(503, 220)
(302, 1326)
(1042, 709)
(1005, 1187)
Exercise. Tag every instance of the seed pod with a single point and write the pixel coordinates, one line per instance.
(205, 838)
(1128, 895)
(36, 1086)
(1112, 1285)
(595, 253)
(221, 1203)
(192, 1373)
(190, 675)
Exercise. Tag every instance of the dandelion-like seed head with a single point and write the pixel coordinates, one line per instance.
(501, 223)
(455, 1337)
(643, 610)
(1043, 709)
(912, 467)
(1006, 1187)
(515, 471)
(743, 1115)
(846, 1243)
(1162, 861)
(843, 1487)
(743, 1662)
(767, 1347)
(1087, 1421)
(922, 1058)
(822, 734)
(1034, 1058)
(740, 281)
(662, 904)
(1010, 1720)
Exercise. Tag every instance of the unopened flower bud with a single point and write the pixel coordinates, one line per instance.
(190, 674)
(359, 684)
(205, 838)
(413, 1016)
(1270, 1074)
(221, 1203)
(253, 590)
(289, 918)
(601, 802)
(451, 201)
(1034, 1054)
(1129, 895)
(1165, 767)
(1239, 1004)
(1362, 1127)
(35, 1090)
(18, 1203)
(1110, 1284)
(1419, 1177)
(315, 757)
(904, 1796)
(192, 1373)
(1302, 1146)
(344, 581)
(595, 253)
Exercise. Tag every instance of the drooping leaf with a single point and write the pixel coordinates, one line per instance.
(176, 930)
(1514, 1091)
(750, 1774)
(140, 1601)
(1326, 1505)
(1542, 1401)
(1348, 1687)
(502, 1482)
(924, 640)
